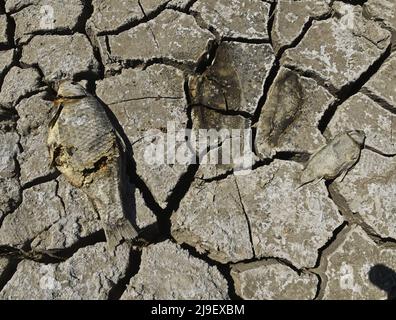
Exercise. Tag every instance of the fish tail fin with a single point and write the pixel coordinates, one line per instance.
(118, 233)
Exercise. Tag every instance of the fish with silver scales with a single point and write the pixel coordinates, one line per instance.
(85, 148)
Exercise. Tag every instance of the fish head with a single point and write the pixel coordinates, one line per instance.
(358, 136)
(71, 90)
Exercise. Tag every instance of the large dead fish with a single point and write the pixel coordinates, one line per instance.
(335, 158)
(85, 148)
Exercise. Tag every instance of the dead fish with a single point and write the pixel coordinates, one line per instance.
(86, 149)
(282, 108)
(334, 159)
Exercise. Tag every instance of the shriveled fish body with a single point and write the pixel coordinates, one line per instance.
(85, 148)
(335, 158)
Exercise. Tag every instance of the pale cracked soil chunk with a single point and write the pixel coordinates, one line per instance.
(53, 215)
(337, 51)
(383, 11)
(110, 16)
(40, 209)
(32, 126)
(292, 16)
(8, 151)
(291, 115)
(226, 149)
(362, 113)
(300, 75)
(235, 80)
(144, 216)
(145, 102)
(10, 193)
(271, 280)
(5, 61)
(287, 222)
(61, 56)
(3, 30)
(10, 190)
(12, 6)
(47, 16)
(381, 85)
(89, 274)
(211, 218)
(79, 221)
(17, 84)
(358, 268)
(169, 272)
(3, 265)
(371, 196)
(236, 18)
(171, 35)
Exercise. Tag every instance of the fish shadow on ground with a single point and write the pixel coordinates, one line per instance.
(384, 278)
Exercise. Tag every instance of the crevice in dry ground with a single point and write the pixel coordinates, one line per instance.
(331, 240)
(40, 180)
(145, 98)
(204, 25)
(267, 86)
(311, 74)
(300, 157)
(355, 2)
(86, 13)
(180, 190)
(258, 164)
(276, 65)
(271, 19)
(148, 25)
(10, 31)
(207, 59)
(133, 268)
(246, 218)
(90, 240)
(188, 6)
(378, 239)
(375, 150)
(22, 6)
(8, 273)
(147, 196)
(351, 89)
(379, 100)
(224, 269)
(60, 255)
(3, 73)
(51, 256)
(2, 7)
(246, 40)
(9, 115)
(243, 114)
(59, 196)
(286, 263)
(187, 96)
(319, 285)
(187, 67)
(135, 22)
(29, 95)
(354, 218)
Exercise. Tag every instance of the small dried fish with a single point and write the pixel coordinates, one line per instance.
(85, 148)
(334, 159)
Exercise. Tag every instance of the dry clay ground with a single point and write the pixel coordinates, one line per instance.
(210, 234)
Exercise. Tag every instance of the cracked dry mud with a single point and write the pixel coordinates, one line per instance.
(298, 72)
